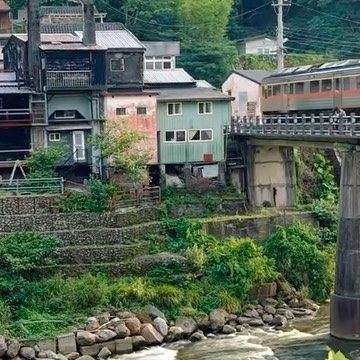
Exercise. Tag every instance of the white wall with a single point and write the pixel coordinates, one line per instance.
(242, 89)
(252, 46)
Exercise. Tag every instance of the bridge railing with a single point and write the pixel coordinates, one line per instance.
(313, 125)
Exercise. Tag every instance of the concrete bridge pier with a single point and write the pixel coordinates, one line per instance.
(345, 302)
(271, 175)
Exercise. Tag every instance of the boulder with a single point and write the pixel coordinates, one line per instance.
(270, 309)
(92, 324)
(85, 338)
(197, 336)
(138, 341)
(309, 305)
(269, 301)
(256, 322)
(154, 312)
(188, 324)
(285, 312)
(218, 319)
(60, 357)
(86, 357)
(122, 330)
(203, 321)
(3, 346)
(240, 328)
(294, 303)
(105, 335)
(279, 320)
(228, 329)
(243, 320)
(103, 318)
(232, 317)
(27, 353)
(232, 323)
(268, 318)
(66, 343)
(302, 312)
(124, 315)
(40, 355)
(175, 333)
(13, 348)
(104, 353)
(73, 356)
(134, 325)
(124, 346)
(50, 354)
(251, 314)
(161, 326)
(261, 312)
(151, 335)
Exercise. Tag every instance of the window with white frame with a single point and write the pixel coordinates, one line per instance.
(120, 111)
(64, 114)
(200, 135)
(175, 136)
(174, 109)
(205, 107)
(141, 110)
(117, 65)
(54, 137)
(159, 62)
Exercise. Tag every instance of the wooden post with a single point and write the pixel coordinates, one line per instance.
(345, 302)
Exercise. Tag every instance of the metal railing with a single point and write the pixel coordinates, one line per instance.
(306, 125)
(22, 116)
(32, 186)
(68, 79)
(13, 154)
(128, 197)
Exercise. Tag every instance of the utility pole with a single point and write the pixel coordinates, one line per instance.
(279, 10)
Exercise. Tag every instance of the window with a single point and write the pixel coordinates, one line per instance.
(229, 92)
(291, 88)
(259, 51)
(266, 51)
(64, 114)
(120, 111)
(141, 110)
(200, 135)
(269, 92)
(277, 90)
(299, 88)
(337, 84)
(54, 137)
(346, 83)
(117, 65)
(159, 62)
(174, 109)
(175, 136)
(1, 103)
(205, 108)
(314, 86)
(326, 85)
(358, 82)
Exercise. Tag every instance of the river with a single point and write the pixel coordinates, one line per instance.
(304, 340)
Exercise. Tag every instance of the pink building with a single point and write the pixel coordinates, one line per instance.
(245, 87)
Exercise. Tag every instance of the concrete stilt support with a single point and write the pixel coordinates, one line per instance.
(345, 302)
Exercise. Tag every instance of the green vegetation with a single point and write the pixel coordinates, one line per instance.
(96, 200)
(332, 355)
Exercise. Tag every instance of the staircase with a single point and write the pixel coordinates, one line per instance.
(91, 242)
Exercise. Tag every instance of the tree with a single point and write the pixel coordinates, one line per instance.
(124, 147)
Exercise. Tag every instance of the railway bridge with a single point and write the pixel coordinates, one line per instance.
(271, 177)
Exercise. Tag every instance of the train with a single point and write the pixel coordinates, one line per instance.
(313, 89)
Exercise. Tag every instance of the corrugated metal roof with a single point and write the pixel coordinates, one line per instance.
(191, 93)
(116, 39)
(70, 46)
(55, 28)
(63, 10)
(254, 75)
(174, 76)
(162, 48)
(52, 38)
(204, 84)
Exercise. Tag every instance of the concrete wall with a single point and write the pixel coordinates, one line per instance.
(271, 175)
(238, 85)
(143, 123)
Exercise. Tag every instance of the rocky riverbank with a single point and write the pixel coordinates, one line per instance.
(114, 333)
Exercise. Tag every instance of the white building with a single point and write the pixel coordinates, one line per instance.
(258, 45)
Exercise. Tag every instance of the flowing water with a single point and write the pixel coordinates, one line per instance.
(305, 340)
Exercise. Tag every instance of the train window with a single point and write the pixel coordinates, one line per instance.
(346, 83)
(326, 85)
(299, 88)
(277, 90)
(291, 88)
(269, 92)
(264, 92)
(314, 86)
(358, 82)
(337, 84)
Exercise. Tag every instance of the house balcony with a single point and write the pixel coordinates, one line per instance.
(68, 79)
(15, 117)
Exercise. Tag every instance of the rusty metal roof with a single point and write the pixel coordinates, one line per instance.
(116, 39)
(191, 93)
(173, 76)
(56, 28)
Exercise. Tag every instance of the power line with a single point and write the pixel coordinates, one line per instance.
(327, 14)
(343, 44)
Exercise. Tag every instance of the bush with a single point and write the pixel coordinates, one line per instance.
(326, 213)
(301, 259)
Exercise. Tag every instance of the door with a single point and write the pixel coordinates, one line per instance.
(79, 145)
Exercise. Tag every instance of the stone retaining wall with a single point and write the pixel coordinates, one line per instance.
(19, 205)
(59, 222)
